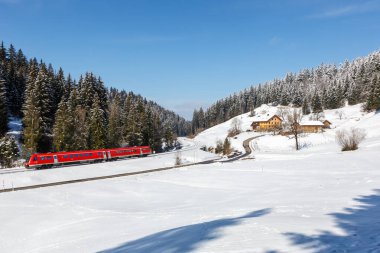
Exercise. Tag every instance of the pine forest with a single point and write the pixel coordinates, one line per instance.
(60, 113)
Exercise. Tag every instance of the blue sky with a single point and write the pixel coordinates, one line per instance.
(189, 53)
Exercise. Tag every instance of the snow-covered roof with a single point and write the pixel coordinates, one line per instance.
(263, 117)
(311, 123)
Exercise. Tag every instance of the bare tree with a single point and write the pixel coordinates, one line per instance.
(235, 127)
(283, 112)
(350, 139)
(317, 116)
(340, 114)
(293, 123)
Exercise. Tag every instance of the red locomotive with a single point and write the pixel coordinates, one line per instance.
(47, 160)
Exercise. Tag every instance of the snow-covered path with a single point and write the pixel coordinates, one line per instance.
(319, 203)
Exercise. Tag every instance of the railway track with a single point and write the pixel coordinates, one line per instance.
(22, 188)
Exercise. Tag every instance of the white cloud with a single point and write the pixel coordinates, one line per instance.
(361, 8)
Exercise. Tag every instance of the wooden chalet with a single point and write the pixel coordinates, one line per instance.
(311, 126)
(266, 122)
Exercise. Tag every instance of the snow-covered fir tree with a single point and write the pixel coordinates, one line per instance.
(115, 122)
(8, 151)
(98, 136)
(373, 100)
(3, 105)
(61, 129)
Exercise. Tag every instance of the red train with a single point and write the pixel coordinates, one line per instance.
(47, 160)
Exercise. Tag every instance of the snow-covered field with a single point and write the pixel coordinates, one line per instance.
(318, 199)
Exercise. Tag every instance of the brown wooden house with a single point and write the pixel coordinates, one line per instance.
(326, 124)
(311, 126)
(266, 122)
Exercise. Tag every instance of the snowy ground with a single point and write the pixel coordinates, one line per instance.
(321, 203)
(318, 199)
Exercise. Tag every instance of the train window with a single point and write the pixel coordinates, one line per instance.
(42, 158)
(80, 155)
(76, 155)
(90, 154)
(86, 154)
(65, 156)
(35, 158)
(71, 156)
(98, 153)
(48, 157)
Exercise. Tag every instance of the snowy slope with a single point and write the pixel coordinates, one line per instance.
(352, 117)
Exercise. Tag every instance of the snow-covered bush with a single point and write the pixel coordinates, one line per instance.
(350, 139)
(219, 147)
(8, 151)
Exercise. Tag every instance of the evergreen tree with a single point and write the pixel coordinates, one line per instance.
(32, 115)
(8, 151)
(58, 86)
(133, 137)
(297, 100)
(157, 135)
(60, 130)
(305, 107)
(3, 105)
(98, 134)
(373, 101)
(168, 138)
(195, 122)
(115, 123)
(316, 104)
(44, 103)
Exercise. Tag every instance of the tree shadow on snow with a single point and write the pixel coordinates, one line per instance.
(182, 239)
(361, 227)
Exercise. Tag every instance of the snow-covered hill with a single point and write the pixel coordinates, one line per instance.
(342, 118)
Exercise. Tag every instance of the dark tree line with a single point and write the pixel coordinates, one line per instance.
(323, 87)
(62, 114)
